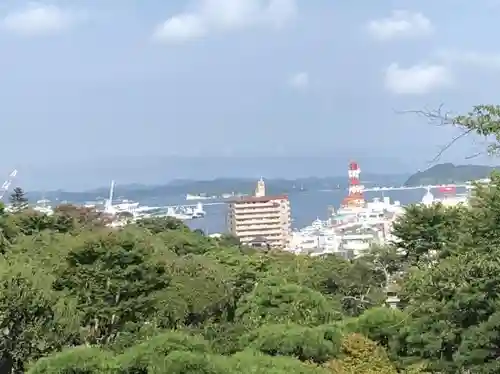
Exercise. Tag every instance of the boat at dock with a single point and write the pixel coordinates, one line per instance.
(199, 197)
(127, 210)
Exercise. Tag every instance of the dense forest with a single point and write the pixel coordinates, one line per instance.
(156, 297)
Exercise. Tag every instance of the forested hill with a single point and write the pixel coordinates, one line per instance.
(450, 173)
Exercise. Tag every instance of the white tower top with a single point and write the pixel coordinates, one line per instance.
(260, 190)
(428, 198)
(108, 208)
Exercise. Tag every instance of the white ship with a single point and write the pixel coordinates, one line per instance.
(126, 205)
(171, 212)
(196, 212)
(198, 197)
(181, 212)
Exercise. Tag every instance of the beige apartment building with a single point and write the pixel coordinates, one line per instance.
(261, 220)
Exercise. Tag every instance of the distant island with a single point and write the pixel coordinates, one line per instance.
(449, 173)
(217, 187)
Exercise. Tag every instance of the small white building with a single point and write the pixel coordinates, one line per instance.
(448, 200)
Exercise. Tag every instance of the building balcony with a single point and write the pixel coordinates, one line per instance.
(257, 210)
(268, 204)
(260, 232)
(268, 219)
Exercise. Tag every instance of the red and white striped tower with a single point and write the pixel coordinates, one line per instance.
(355, 197)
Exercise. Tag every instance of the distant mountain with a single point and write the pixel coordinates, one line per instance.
(217, 187)
(450, 173)
(157, 170)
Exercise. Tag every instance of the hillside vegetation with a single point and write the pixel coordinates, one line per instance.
(156, 297)
(449, 173)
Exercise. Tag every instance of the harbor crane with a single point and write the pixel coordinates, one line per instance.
(6, 185)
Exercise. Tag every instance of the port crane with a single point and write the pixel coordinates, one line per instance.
(6, 185)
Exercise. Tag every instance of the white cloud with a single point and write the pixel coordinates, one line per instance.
(299, 80)
(470, 58)
(180, 28)
(402, 24)
(222, 15)
(39, 19)
(417, 79)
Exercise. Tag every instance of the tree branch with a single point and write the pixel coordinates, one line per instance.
(442, 118)
(450, 144)
(360, 299)
(434, 116)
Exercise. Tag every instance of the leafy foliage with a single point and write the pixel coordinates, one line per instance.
(28, 327)
(277, 303)
(113, 281)
(361, 356)
(425, 233)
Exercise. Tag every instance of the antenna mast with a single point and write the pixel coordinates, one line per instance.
(6, 185)
(355, 197)
(108, 207)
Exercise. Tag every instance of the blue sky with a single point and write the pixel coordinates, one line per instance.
(99, 89)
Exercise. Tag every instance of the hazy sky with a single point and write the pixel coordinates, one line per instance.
(90, 86)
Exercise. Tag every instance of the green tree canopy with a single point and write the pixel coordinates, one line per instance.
(18, 200)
